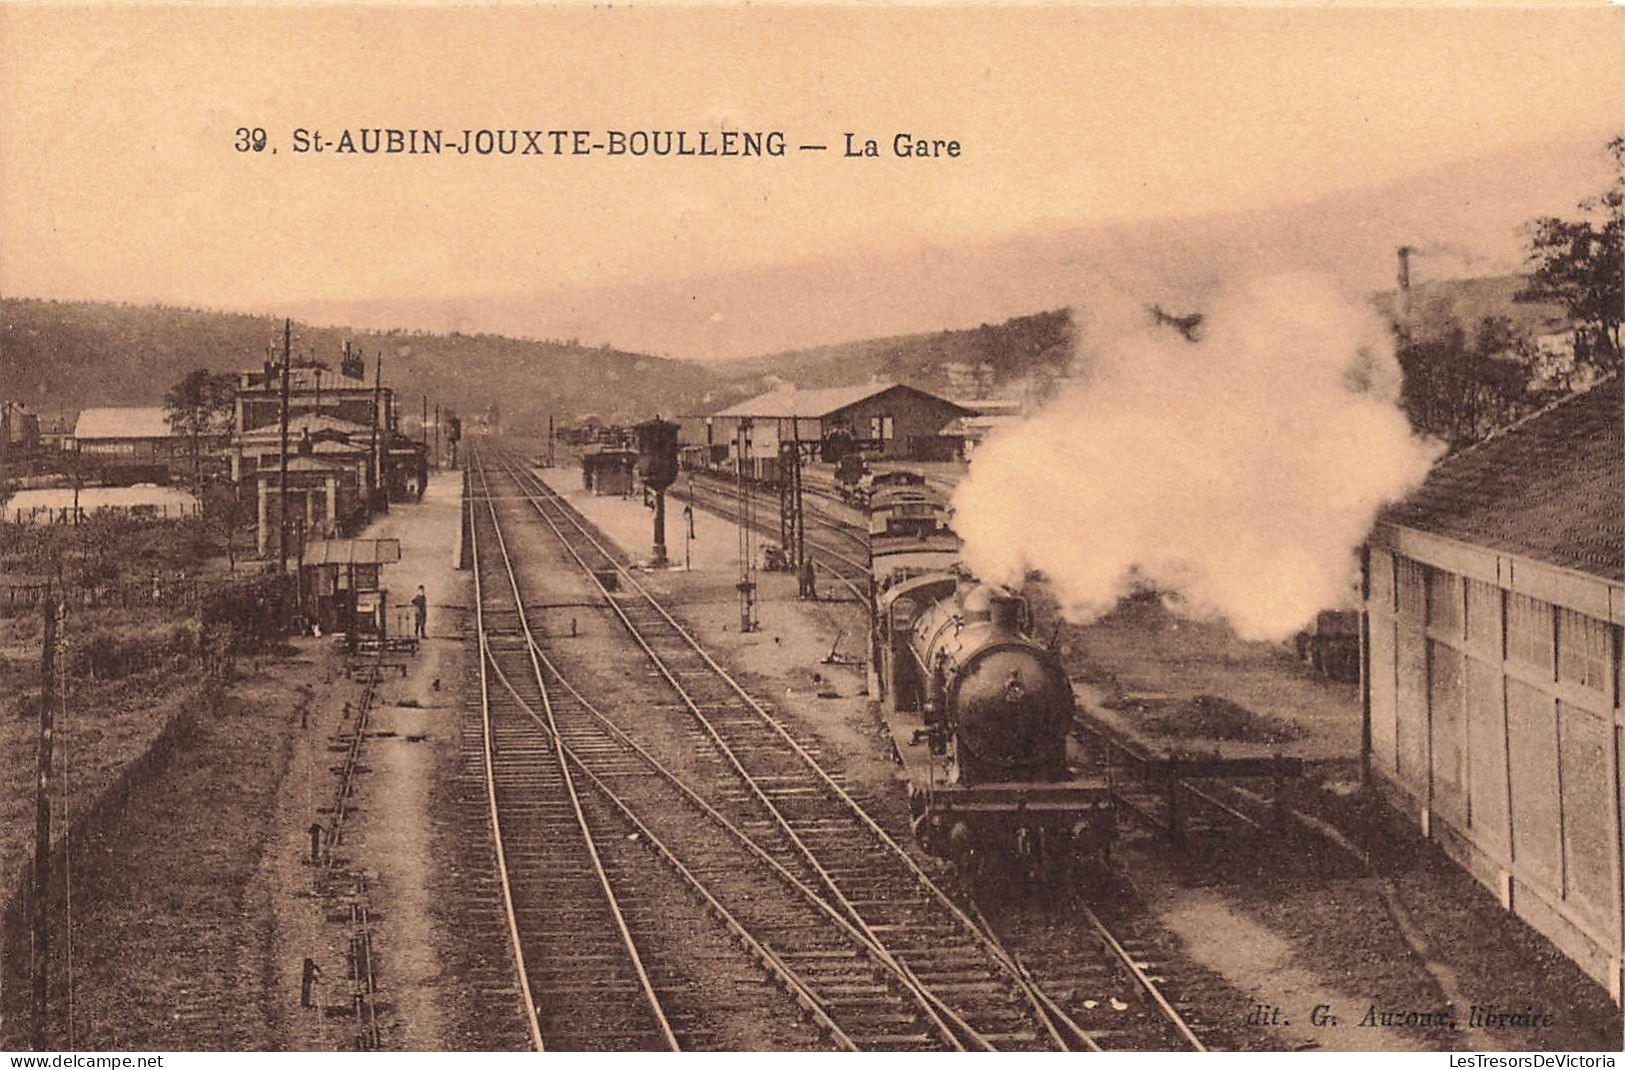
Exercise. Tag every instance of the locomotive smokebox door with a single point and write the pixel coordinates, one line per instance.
(657, 453)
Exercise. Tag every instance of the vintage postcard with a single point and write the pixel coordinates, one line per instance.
(781, 527)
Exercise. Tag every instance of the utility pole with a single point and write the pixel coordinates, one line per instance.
(437, 434)
(550, 440)
(42, 826)
(377, 461)
(282, 503)
(796, 514)
(78, 459)
(747, 546)
(299, 585)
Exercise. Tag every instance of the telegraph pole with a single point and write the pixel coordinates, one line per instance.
(550, 440)
(78, 459)
(747, 547)
(800, 519)
(42, 827)
(437, 434)
(377, 394)
(282, 503)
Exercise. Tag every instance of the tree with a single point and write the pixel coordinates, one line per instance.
(1461, 389)
(200, 405)
(1580, 264)
(223, 514)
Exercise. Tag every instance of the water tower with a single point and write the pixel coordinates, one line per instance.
(657, 465)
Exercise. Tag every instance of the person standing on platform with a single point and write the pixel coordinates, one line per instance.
(809, 580)
(420, 603)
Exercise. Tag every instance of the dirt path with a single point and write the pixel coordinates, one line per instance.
(388, 837)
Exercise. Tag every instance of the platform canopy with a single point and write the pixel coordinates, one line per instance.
(353, 552)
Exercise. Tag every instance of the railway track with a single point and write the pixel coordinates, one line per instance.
(847, 562)
(800, 816)
(814, 955)
(582, 979)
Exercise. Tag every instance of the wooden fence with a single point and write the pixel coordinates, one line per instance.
(1493, 705)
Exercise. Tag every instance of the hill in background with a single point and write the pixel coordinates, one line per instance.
(62, 356)
(58, 356)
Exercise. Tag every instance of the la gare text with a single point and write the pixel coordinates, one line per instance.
(388, 141)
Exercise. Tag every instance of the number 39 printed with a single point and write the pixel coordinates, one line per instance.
(250, 140)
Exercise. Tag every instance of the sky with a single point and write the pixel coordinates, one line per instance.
(119, 179)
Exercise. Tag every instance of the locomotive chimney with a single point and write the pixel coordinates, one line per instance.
(1004, 608)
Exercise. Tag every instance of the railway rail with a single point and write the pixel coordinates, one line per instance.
(937, 966)
(849, 565)
(362, 977)
(814, 954)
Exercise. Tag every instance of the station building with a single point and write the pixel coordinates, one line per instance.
(136, 434)
(137, 444)
(260, 448)
(344, 395)
(608, 471)
(1493, 613)
(325, 500)
(346, 456)
(19, 428)
(888, 420)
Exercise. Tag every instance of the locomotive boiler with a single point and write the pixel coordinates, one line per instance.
(980, 714)
(1000, 700)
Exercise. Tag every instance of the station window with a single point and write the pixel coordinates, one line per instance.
(1582, 649)
(882, 428)
(1529, 631)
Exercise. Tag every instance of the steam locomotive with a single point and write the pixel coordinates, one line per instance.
(979, 711)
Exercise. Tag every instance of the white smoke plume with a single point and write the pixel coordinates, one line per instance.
(1238, 471)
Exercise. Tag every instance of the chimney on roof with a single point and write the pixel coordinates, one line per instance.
(353, 366)
(1404, 253)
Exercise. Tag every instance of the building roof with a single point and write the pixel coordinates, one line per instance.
(353, 552)
(978, 427)
(141, 422)
(306, 421)
(303, 377)
(609, 456)
(303, 463)
(814, 404)
(1549, 487)
(327, 445)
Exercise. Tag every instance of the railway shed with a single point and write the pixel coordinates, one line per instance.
(1494, 600)
(608, 471)
(891, 420)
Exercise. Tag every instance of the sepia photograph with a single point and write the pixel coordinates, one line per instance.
(788, 527)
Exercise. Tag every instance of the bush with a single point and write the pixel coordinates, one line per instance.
(109, 653)
(247, 612)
